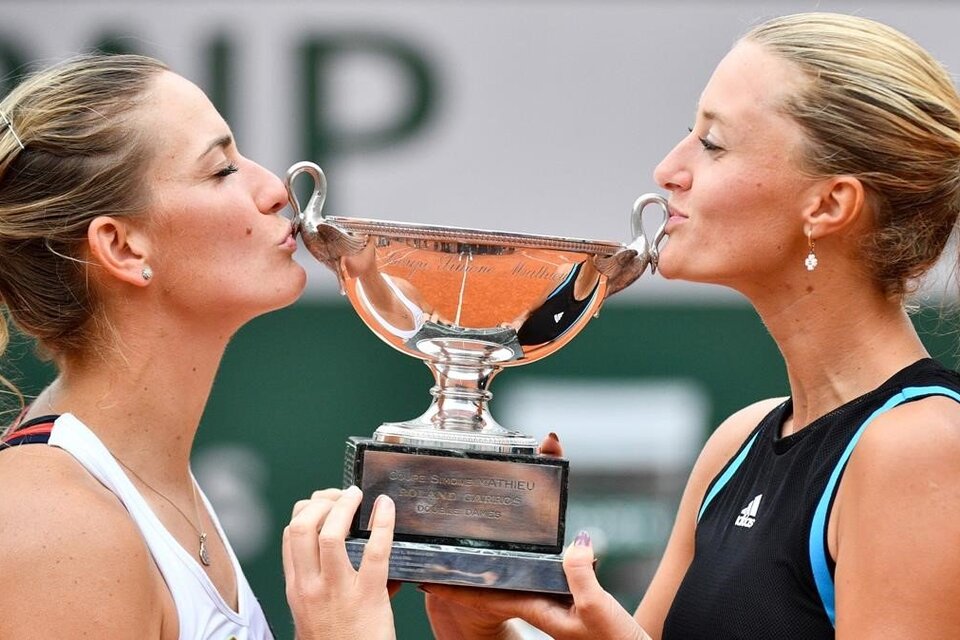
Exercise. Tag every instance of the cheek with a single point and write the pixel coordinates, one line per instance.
(751, 202)
(204, 249)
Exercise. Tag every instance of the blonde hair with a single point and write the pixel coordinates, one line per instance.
(877, 106)
(83, 156)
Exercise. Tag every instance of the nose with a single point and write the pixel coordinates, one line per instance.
(673, 173)
(271, 195)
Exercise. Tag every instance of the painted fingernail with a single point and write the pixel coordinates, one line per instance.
(553, 436)
(582, 539)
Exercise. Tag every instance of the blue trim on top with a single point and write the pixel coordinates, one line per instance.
(570, 276)
(727, 474)
(818, 538)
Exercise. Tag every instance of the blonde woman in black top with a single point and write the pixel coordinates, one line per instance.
(820, 179)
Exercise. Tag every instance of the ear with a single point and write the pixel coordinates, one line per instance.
(838, 207)
(120, 248)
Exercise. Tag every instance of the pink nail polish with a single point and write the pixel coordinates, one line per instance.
(582, 539)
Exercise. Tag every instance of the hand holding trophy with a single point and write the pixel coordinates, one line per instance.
(475, 503)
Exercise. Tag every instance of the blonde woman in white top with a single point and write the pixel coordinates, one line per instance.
(135, 240)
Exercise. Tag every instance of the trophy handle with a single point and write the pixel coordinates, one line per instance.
(317, 198)
(327, 242)
(643, 247)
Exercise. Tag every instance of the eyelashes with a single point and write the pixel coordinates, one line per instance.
(227, 170)
(707, 145)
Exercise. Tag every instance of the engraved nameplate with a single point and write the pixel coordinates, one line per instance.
(453, 497)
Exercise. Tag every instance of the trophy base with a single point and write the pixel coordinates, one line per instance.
(464, 517)
(460, 566)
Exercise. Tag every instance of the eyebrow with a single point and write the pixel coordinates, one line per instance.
(223, 141)
(714, 116)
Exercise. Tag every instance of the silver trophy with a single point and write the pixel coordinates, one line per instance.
(476, 503)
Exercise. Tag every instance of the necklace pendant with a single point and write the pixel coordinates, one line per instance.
(204, 556)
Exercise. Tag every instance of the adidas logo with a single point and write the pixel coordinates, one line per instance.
(749, 514)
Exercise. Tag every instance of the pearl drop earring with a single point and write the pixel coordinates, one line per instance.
(811, 262)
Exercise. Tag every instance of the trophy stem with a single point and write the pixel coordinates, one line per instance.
(461, 396)
(458, 417)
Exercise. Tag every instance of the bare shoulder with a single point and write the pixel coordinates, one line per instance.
(909, 453)
(67, 539)
(898, 505)
(732, 433)
(720, 448)
(918, 436)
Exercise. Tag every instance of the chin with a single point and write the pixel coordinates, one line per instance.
(666, 274)
(687, 266)
(293, 293)
(300, 280)
(669, 269)
(283, 295)
(678, 270)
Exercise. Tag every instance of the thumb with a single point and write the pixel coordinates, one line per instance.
(597, 609)
(578, 563)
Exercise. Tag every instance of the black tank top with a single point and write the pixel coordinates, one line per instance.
(558, 312)
(761, 568)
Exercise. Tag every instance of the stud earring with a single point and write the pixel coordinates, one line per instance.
(811, 261)
(146, 273)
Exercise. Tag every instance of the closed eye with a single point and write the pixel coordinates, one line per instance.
(227, 170)
(709, 146)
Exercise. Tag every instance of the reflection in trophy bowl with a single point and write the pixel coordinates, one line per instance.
(468, 302)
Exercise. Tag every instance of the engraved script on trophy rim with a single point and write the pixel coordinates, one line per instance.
(468, 302)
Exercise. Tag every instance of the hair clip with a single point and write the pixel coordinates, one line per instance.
(6, 124)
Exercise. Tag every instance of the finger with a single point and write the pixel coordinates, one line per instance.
(298, 506)
(470, 597)
(288, 568)
(333, 552)
(488, 608)
(551, 446)
(451, 620)
(327, 494)
(375, 565)
(578, 567)
(301, 534)
(497, 605)
(594, 608)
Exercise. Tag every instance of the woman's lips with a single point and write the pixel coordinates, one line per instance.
(676, 218)
(289, 241)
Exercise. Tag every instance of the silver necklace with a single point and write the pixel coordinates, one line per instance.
(202, 553)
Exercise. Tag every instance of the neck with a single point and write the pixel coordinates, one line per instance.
(144, 398)
(839, 340)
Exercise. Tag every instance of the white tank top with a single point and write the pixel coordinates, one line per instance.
(202, 612)
(416, 313)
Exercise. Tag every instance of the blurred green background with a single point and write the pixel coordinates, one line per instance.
(296, 383)
(542, 117)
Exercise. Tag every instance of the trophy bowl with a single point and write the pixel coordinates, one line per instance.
(476, 503)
